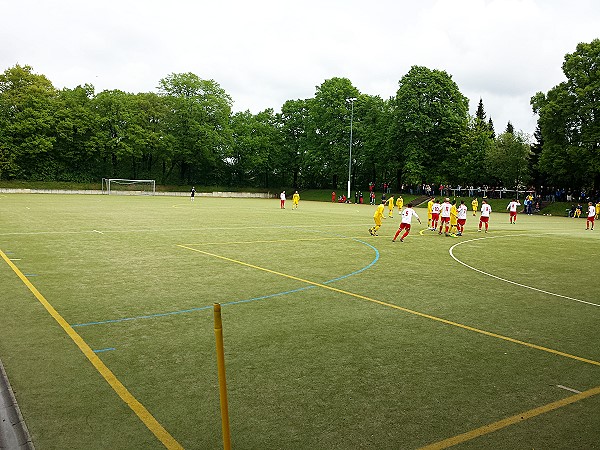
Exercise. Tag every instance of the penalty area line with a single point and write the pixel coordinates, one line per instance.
(399, 308)
(451, 251)
(517, 418)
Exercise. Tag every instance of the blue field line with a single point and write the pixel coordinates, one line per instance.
(236, 302)
(104, 350)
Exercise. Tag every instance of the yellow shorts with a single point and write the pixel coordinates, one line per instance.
(377, 220)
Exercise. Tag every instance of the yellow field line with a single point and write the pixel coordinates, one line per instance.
(400, 308)
(490, 428)
(479, 431)
(139, 409)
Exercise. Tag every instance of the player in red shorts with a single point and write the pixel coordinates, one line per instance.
(512, 210)
(462, 217)
(435, 214)
(445, 216)
(485, 215)
(591, 216)
(407, 216)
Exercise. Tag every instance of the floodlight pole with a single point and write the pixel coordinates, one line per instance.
(351, 100)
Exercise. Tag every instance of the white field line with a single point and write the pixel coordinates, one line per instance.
(174, 230)
(568, 389)
(451, 251)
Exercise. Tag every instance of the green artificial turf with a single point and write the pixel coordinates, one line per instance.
(334, 339)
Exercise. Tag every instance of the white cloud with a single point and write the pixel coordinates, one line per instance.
(266, 52)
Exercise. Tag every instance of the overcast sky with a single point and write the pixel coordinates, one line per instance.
(264, 52)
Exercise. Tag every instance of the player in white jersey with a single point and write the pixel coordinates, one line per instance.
(486, 209)
(435, 214)
(407, 216)
(445, 216)
(591, 216)
(512, 210)
(462, 217)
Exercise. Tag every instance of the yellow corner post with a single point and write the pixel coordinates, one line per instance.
(222, 379)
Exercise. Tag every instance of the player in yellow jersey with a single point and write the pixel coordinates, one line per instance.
(399, 204)
(390, 203)
(453, 219)
(429, 206)
(597, 210)
(475, 205)
(295, 200)
(377, 217)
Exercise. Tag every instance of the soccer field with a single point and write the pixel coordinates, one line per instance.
(334, 339)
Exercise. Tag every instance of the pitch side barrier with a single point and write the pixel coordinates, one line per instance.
(169, 194)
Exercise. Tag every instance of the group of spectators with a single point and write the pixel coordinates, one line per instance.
(459, 190)
(532, 203)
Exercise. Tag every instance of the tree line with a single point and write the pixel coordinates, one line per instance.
(186, 133)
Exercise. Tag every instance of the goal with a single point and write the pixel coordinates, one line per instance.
(128, 187)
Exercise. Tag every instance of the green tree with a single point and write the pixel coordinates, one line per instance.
(152, 141)
(116, 137)
(534, 159)
(297, 129)
(480, 113)
(470, 167)
(331, 115)
(569, 120)
(431, 117)
(27, 120)
(508, 160)
(199, 126)
(374, 159)
(255, 158)
(491, 127)
(76, 123)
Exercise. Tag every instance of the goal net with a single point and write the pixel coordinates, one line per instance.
(128, 187)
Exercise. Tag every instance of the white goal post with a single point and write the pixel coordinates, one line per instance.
(124, 186)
